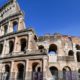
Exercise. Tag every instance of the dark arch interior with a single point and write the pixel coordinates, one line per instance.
(5, 29)
(7, 68)
(40, 47)
(11, 46)
(15, 26)
(78, 56)
(1, 48)
(67, 73)
(66, 68)
(71, 53)
(7, 72)
(79, 71)
(53, 70)
(20, 71)
(34, 65)
(20, 67)
(78, 47)
(53, 48)
(36, 72)
(39, 69)
(35, 38)
(23, 44)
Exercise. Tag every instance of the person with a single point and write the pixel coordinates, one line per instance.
(5, 76)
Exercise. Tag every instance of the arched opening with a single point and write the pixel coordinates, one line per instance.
(78, 47)
(70, 53)
(54, 73)
(36, 72)
(79, 73)
(35, 38)
(20, 75)
(1, 48)
(52, 48)
(23, 44)
(34, 65)
(7, 72)
(67, 74)
(39, 69)
(78, 56)
(41, 48)
(5, 29)
(15, 26)
(7, 68)
(11, 46)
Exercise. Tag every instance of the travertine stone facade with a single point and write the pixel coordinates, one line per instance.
(26, 56)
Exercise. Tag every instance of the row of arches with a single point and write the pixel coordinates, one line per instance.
(15, 27)
(67, 73)
(36, 73)
(20, 74)
(23, 44)
(53, 47)
(53, 50)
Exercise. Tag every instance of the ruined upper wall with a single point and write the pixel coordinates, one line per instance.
(65, 39)
(9, 9)
(11, 18)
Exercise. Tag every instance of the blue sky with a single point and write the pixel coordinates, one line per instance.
(51, 16)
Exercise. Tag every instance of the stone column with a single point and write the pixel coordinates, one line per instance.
(26, 69)
(31, 43)
(16, 45)
(10, 27)
(2, 30)
(12, 72)
(21, 24)
(45, 68)
(5, 48)
(28, 72)
(1, 70)
(60, 73)
(75, 61)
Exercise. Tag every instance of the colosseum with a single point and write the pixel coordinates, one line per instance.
(26, 56)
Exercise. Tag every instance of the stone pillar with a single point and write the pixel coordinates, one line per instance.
(2, 71)
(10, 27)
(26, 71)
(21, 24)
(45, 68)
(12, 72)
(1, 66)
(60, 73)
(75, 61)
(2, 30)
(31, 42)
(17, 45)
(5, 48)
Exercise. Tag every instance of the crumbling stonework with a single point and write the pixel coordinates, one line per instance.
(26, 56)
